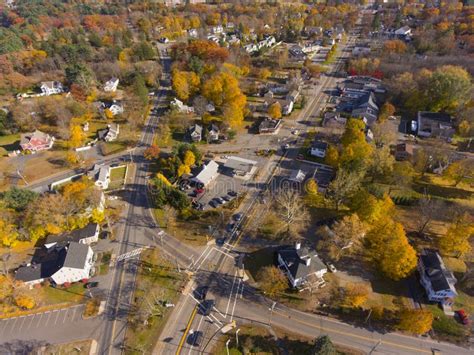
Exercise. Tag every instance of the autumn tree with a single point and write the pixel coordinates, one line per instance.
(386, 111)
(264, 74)
(449, 88)
(324, 346)
(381, 163)
(274, 111)
(369, 208)
(24, 301)
(291, 210)
(189, 158)
(348, 231)
(459, 171)
(385, 133)
(272, 281)
(332, 156)
(416, 321)
(6, 287)
(183, 169)
(152, 152)
(456, 241)
(185, 84)
(354, 295)
(76, 136)
(312, 195)
(356, 151)
(343, 187)
(388, 247)
(395, 47)
(8, 233)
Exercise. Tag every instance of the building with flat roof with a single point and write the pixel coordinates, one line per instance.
(240, 166)
(209, 172)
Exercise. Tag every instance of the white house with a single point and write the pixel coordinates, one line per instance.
(403, 31)
(36, 141)
(103, 177)
(207, 174)
(436, 279)
(180, 106)
(110, 133)
(287, 107)
(217, 29)
(300, 265)
(111, 85)
(51, 88)
(318, 149)
(77, 264)
(193, 33)
(212, 133)
(86, 235)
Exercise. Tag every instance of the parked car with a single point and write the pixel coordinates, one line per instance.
(91, 284)
(205, 307)
(463, 317)
(220, 241)
(201, 293)
(213, 203)
(238, 217)
(227, 198)
(232, 193)
(230, 227)
(220, 200)
(286, 146)
(198, 191)
(331, 267)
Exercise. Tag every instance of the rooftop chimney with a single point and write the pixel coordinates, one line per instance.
(297, 245)
(308, 261)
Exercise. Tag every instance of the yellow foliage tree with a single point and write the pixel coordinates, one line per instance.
(272, 281)
(72, 158)
(108, 114)
(183, 169)
(8, 234)
(185, 84)
(457, 238)
(275, 110)
(25, 301)
(388, 247)
(355, 295)
(332, 156)
(264, 74)
(189, 158)
(416, 321)
(6, 287)
(369, 208)
(162, 179)
(97, 216)
(77, 136)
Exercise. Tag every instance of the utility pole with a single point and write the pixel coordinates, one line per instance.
(237, 336)
(227, 346)
(177, 264)
(271, 313)
(375, 347)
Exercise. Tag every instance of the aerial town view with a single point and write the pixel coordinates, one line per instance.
(236, 177)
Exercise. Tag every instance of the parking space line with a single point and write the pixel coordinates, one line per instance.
(3, 325)
(31, 322)
(57, 316)
(73, 314)
(23, 321)
(14, 323)
(65, 315)
(47, 320)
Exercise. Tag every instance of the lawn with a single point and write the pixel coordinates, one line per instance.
(117, 177)
(158, 282)
(9, 143)
(76, 347)
(446, 327)
(73, 294)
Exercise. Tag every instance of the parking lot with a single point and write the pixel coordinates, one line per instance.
(10, 328)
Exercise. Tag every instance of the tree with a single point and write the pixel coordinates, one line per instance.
(449, 88)
(264, 74)
(19, 199)
(189, 158)
(291, 210)
(386, 111)
(460, 171)
(76, 136)
(343, 186)
(416, 321)
(421, 161)
(370, 208)
(387, 245)
(152, 152)
(183, 169)
(8, 233)
(162, 180)
(332, 156)
(348, 231)
(355, 295)
(139, 89)
(6, 287)
(272, 281)
(312, 195)
(381, 163)
(457, 238)
(354, 132)
(25, 301)
(79, 74)
(324, 346)
(144, 51)
(401, 176)
(385, 133)
(430, 209)
(395, 46)
(274, 110)
(185, 84)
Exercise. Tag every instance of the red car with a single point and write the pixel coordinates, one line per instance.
(199, 191)
(463, 317)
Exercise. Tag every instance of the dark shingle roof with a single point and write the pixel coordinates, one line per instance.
(435, 271)
(435, 116)
(295, 261)
(42, 270)
(73, 236)
(76, 255)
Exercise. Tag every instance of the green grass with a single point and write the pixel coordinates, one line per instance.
(114, 147)
(73, 294)
(445, 326)
(255, 261)
(117, 177)
(157, 278)
(9, 143)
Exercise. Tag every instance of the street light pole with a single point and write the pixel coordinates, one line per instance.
(237, 336)
(271, 313)
(227, 346)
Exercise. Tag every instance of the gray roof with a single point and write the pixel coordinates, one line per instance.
(42, 269)
(240, 164)
(195, 129)
(317, 144)
(435, 270)
(435, 116)
(295, 260)
(73, 236)
(76, 256)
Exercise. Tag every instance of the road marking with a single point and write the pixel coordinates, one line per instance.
(200, 256)
(215, 318)
(185, 334)
(223, 252)
(230, 296)
(218, 312)
(73, 314)
(57, 316)
(348, 334)
(47, 320)
(29, 325)
(22, 322)
(198, 327)
(14, 323)
(203, 260)
(235, 299)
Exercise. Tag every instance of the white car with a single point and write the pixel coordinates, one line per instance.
(332, 268)
(295, 132)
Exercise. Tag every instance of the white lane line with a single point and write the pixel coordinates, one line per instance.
(200, 256)
(29, 325)
(223, 252)
(214, 319)
(74, 314)
(218, 312)
(65, 315)
(230, 296)
(23, 320)
(203, 260)
(14, 323)
(235, 300)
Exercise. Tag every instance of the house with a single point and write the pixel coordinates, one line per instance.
(208, 173)
(71, 263)
(300, 265)
(318, 149)
(193, 33)
(195, 133)
(334, 120)
(250, 48)
(36, 141)
(293, 95)
(403, 31)
(297, 176)
(103, 177)
(360, 51)
(434, 125)
(110, 133)
(269, 125)
(212, 133)
(114, 107)
(86, 235)
(435, 278)
(366, 108)
(287, 107)
(240, 167)
(217, 29)
(51, 88)
(403, 151)
(111, 85)
(296, 52)
(76, 266)
(180, 106)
